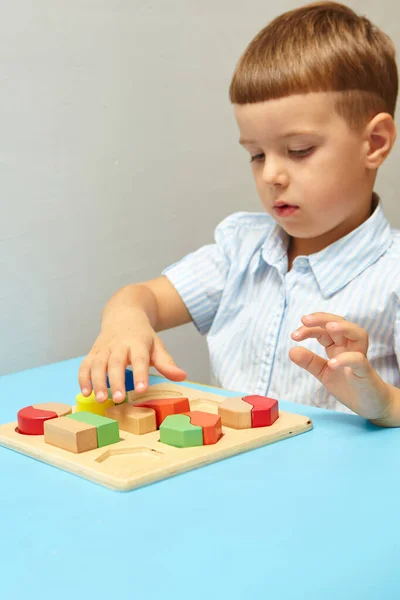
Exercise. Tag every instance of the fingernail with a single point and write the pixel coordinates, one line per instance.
(140, 386)
(117, 396)
(85, 391)
(100, 396)
(296, 333)
(333, 362)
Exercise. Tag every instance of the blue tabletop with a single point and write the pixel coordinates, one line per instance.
(316, 516)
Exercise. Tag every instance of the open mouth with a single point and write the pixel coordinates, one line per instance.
(285, 210)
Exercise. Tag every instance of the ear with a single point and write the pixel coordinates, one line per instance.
(380, 136)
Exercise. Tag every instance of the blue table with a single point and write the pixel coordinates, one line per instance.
(316, 516)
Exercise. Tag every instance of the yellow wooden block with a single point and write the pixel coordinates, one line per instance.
(90, 404)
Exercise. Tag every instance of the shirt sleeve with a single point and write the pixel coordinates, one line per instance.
(200, 276)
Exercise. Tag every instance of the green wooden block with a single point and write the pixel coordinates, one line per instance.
(107, 429)
(177, 430)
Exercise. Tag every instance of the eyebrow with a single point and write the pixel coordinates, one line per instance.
(286, 135)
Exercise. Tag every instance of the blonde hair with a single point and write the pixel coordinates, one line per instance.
(321, 47)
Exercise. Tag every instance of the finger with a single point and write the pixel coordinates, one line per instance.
(99, 374)
(84, 380)
(342, 331)
(307, 360)
(319, 319)
(140, 359)
(304, 333)
(355, 360)
(165, 364)
(116, 374)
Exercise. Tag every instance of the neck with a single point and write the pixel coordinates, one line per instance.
(307, 246)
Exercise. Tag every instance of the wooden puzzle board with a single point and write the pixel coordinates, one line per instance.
(137, 460)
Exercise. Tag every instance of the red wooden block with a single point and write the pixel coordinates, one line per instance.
(31, 420)
(211, 425)
(265, 410)
(166, 406)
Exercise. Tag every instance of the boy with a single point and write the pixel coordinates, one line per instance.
(314, 96)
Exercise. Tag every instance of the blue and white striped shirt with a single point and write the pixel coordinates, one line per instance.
(241, 296)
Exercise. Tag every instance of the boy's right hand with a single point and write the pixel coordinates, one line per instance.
(119, 345)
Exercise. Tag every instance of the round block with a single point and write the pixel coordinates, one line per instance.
(60, 409)
(176, 430)
(90, 404)
(31, 420)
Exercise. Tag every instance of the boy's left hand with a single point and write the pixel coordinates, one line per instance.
(346, 374)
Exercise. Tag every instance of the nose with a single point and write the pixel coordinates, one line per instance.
(274, 172)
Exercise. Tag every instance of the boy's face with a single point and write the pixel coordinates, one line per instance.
(308, 166)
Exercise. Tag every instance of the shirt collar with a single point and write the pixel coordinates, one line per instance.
(341, 262)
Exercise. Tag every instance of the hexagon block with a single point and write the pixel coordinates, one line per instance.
(177, 430)
(235, 413)
(264, 412)
(211, 425)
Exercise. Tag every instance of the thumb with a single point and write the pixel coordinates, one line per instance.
(307, 360)
(164, 363)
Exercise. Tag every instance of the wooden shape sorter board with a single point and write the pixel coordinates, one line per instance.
(138, 460)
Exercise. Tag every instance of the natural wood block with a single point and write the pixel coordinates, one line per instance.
(176, 430)
(107, 429)
(165, 407)
(30, 420)
(265, 410)
(70, 435)
(91, 405)
(57, 407)
(135, 419)
(210, 424)
(235, 413)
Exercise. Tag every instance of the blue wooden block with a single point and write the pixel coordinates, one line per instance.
(129, 385)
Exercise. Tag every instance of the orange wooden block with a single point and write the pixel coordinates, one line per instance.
(235, 413)
(166, 406)
(60, 409)
(135, 419)
(210, 423)
(31, 420)
(265, 410)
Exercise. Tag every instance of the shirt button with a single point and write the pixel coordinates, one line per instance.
(301, 264)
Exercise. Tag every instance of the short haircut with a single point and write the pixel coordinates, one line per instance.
(321, 47)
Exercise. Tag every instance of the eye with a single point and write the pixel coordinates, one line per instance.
(301, 153)
(257, 157)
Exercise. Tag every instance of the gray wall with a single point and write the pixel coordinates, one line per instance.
(118, 155)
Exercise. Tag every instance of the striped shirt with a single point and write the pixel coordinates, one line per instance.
(241, 295)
